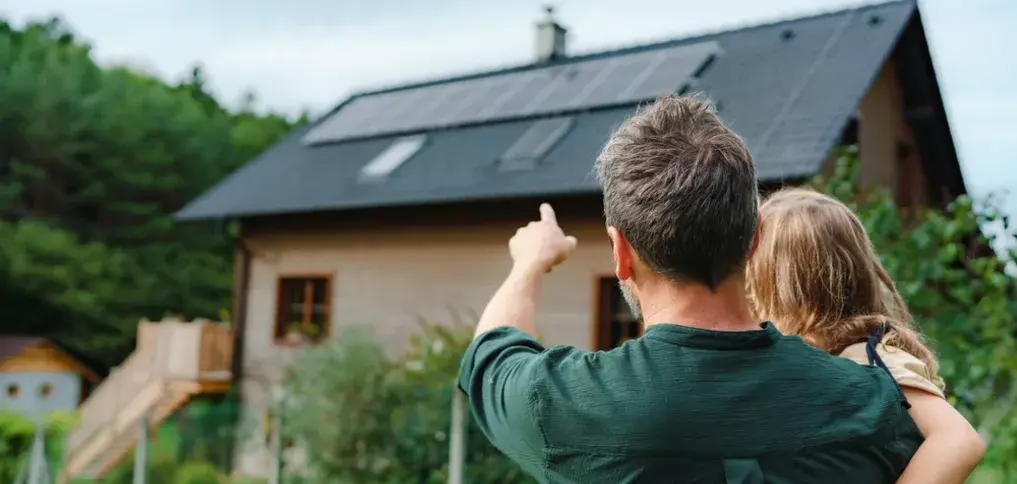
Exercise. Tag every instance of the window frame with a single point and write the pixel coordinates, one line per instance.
(278, 326)
(604, 287)
(393, 157)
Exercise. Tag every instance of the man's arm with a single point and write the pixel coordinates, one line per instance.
(535, 250)
(515, 302)
(504, 364)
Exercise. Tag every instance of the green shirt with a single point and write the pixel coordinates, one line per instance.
(688, 405)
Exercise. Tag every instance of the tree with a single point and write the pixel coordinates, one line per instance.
(961, 297)
(94, 162)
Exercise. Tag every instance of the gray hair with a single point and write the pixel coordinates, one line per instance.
(681, 187)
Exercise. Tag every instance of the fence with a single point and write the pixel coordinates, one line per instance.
(197, 445)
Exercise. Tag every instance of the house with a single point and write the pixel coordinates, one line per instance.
(398, 203)
(38, 376)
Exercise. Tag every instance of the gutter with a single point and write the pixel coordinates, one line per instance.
(239, 322)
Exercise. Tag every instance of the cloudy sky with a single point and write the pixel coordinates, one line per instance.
(309, 54)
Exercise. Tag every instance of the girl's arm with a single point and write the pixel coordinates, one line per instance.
(952, 448)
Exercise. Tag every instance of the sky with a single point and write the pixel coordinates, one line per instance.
(310, 54)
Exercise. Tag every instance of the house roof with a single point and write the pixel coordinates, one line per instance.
(13, 345)
(788, 88)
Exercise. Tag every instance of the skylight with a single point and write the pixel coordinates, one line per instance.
(535, 143)
(393, 157)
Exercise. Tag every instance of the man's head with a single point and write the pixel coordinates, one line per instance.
(680, 195)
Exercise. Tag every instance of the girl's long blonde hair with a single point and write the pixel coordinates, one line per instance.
(815, 274)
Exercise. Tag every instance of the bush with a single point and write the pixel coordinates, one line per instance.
(16, 435)
(367, 418)
(247, 480)
(198, 473)
(164, 468)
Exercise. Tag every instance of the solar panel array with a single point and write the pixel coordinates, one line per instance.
(620, 79)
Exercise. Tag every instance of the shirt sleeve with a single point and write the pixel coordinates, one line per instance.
(906, 369)
(499, 373)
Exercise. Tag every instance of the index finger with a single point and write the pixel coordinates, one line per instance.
(547, 214)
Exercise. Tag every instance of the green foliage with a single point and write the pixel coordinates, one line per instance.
(960, 295)
(59, 278)
(366, 417)
(164, 468)
(161, 468)
(247, 480)
(16, 435)
(205, 431)
(93, 164)
(198, 473)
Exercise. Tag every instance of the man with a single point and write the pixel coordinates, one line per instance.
(708, 394)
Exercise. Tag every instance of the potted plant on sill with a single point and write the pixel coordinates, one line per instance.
(299, 334)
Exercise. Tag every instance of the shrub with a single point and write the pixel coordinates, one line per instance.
(16, 435)
(364, 417)
(198, 473)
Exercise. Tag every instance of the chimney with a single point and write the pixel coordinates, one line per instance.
(550, 38)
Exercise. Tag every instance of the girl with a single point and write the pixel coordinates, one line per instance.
(814, 274)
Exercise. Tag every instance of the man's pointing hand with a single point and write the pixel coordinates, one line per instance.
(541, 245)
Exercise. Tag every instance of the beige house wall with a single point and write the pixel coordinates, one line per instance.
(387, 279)
(882, 130)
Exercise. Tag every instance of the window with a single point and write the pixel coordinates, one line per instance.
(535, 143)
(393, 157)
(45, 390)
(849, 137)
(13, 391)
(304, 309)
(615, 322)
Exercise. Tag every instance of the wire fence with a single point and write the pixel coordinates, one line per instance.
(199, 444)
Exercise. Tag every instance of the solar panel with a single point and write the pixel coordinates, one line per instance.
(674, 70)
(392, 157)
(632, 90)
(400, 103)
(472, 101)
(614, 79)
(528, 150)
(570, 84)
(517, 104)
(581, 85)
(428, 103)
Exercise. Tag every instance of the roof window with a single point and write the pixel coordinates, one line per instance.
(392, 158)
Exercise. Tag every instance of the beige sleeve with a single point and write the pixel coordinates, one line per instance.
(908, 370)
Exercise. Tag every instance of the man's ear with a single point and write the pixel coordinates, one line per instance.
(622, 252)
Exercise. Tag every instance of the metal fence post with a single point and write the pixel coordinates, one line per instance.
(277, 422)
(141, 451)
(36, 469)
(457, 442)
